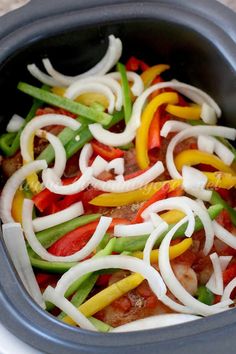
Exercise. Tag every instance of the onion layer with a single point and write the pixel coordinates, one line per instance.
(224, 235)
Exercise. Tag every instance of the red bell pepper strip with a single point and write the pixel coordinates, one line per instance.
(107, 152)
(77, 239)
(134, 174)
(45, 279)
(134, 64)
(154, 139)
(159, 195)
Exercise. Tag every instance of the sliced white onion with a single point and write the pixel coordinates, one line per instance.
(172, 282)
(111, 57)
(229, 133)
(67, 214)
(13, 183)
(228, 290)
(41, 76)
(36, 246)
(99, 165)
(15, 242)
(54, 184)
(137, 87)
(171, 204)
(133, 229)
(85, 155)
(117, 262)
(215, 283)
(51, 295)
(194, 182)
(40, 122)
(157, 321)
(210, 144)
(173, 126)
(156, 233)
(132, 184)
(224, 235)
(155, 219)
(107, 86)
(59, 150)
(118, 165)
(208, 114)
(119, 178)
(175, 306)
(15, 123)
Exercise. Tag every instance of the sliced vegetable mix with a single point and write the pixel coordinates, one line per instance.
(121, 188)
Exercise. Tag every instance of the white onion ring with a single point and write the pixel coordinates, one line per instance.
(224, 235)
(15, 123)
(99, 165)
(51, 295)
(64, 215)
(59, 150)
(172, 282)
(133, 229)
(137, 87)
(157, 321)
(118, 165)
(215, 283)
(173, 126)
(13, 183)
(228, 290)
(194, 182)
(210, 144)
(15, 242)
(229, 133)
(40, 122)
(36, 246)
(41, 76)
(121, 262)
(156, 233)
(171, 204)
(54, 184)
(208, 114)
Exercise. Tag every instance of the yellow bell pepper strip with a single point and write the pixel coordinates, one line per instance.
(32, 180)
(174, 251)
(87, 99)
(195, 157)
(17, 206)
(172, 216)
(220, 180)
(149, 75)
(107, 296)
(192, 113)
(143, 130)
(137, 196)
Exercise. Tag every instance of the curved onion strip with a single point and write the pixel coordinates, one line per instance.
(215, 283)
(118, 165)
(210, 144)
(112, 86)
(99, 165)
(172, 282)
(157, 321)
(175, 306)
(41, 76)
(51, 295)
(36, 246)
(40, 122)
(111, 57)
(60, 153)
(206, 221)
(194, 182)
(208, 114)
(54, 184)
(229, 133)
(173, 126)
(152, 239)
(137, 87)
(224, 235)
(178, 203)
(133, 229)
(117, 262)
(15, 123)
(206, 143)
(85, 155)
(112, 139)
(228, 290)
(67, 214)
(13, 183)
(81, 87)
(15, 242)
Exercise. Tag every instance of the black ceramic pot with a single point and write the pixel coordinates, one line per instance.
(198, 39)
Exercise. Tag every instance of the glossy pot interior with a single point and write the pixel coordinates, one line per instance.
(201, 53)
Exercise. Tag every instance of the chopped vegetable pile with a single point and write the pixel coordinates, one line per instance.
(118, 206)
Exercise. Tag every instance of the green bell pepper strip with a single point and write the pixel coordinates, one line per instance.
(49, 236)
(65, 103)
(205, 295)
(10, 142)
(68, 139)
(127, 103)
(101, 326)
(216, 199)
(132, 244)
